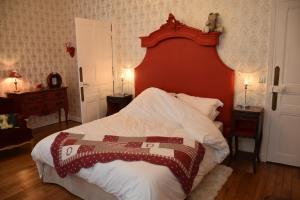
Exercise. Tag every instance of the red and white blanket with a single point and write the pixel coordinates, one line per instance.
(71, 152)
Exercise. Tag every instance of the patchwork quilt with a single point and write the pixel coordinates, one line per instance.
(71, 152)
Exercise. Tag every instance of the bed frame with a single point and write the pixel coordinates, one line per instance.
(183, 59)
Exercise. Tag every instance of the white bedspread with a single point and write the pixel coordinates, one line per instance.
(152, 113)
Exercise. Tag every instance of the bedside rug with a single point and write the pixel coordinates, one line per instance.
(211, 184)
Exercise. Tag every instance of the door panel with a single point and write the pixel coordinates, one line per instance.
(285, 120)
(94, 56)
(292, 47)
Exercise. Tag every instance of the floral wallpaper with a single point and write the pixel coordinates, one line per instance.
(243, 45)
(32, 38)
(33, 34)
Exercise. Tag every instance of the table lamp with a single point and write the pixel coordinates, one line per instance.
(122, 80)
(14, 74)
(246, 83)
(126, 75)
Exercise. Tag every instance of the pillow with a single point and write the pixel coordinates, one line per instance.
(8, 121)
(207, 106)
(214, 115)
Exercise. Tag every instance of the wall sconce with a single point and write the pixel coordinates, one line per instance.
(14, 74)
(70, 49)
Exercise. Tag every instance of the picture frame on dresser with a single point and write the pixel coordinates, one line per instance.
(54, 80)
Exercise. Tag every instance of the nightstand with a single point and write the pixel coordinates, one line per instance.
(116, 102)
(248, 123)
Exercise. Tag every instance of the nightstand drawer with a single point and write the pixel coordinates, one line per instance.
(116, 103)
(246, 128)
(245, 116)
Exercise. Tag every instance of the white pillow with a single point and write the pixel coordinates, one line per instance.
(207, 106)
(214, 115)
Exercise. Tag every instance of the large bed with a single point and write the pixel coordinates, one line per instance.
(179, 59)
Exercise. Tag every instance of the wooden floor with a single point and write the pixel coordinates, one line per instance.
(19, 178)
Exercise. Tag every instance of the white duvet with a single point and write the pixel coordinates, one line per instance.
(153, 113)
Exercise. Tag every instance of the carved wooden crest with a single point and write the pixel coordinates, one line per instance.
(175, 29)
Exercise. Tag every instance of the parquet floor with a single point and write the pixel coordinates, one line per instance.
(19, 178)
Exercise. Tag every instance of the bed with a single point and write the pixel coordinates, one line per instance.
(179, 59)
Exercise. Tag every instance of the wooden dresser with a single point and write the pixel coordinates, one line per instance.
(41, 102)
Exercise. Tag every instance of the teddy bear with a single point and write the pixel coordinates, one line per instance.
(212, 23)
(3, 122)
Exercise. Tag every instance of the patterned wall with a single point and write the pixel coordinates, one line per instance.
(33, 33)
(243, 46)
(32, 38)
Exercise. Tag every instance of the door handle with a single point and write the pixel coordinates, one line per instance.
(276, 89)
(84, 84)
(82, 94)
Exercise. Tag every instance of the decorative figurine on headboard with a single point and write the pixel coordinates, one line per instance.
(212, 24)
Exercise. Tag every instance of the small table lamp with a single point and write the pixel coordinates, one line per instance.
(126, 75)
(14, 74)
(122, 80)
(246, 83)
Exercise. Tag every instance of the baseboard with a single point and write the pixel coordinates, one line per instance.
(75, 118)
(42, 123)
(51, 120)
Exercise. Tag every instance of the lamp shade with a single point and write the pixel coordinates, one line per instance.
(14, 74)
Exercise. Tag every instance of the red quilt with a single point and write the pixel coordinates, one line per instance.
(71, 152)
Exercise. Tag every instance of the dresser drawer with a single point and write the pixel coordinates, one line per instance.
(56, 95)
(34, 98)
(32, 109)
(48, 108)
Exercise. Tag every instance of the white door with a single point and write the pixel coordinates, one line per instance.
(94, 54)
(284, 143)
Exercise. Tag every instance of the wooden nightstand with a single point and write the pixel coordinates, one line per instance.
(248, 123)
(116, 102)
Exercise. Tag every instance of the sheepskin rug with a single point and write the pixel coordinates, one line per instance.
(211, 184)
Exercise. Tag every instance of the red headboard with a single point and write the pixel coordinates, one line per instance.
(183, 59)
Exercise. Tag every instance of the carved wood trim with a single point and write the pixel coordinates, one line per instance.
(175, 29)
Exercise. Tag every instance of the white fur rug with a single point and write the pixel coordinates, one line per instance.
(211, 184)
